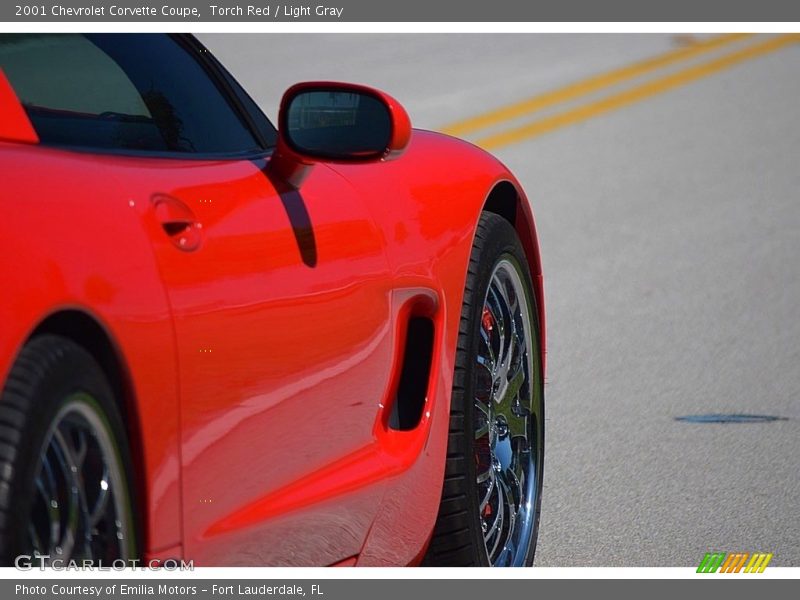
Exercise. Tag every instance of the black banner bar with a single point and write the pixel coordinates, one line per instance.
(732, 588)
(406, 11)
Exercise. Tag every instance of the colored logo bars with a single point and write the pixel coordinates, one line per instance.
(734, 562)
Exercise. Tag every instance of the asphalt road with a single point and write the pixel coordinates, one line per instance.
(667, 201)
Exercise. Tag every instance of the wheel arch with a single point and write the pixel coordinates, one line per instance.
(92, 335)
(507, 200)
(502, 200)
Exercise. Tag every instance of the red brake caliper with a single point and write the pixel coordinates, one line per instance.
(487, 320)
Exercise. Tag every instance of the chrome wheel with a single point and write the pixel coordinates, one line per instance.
(80, 508)
(507, 418)
(492, 486)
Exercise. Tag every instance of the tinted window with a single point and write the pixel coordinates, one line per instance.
(131, 92)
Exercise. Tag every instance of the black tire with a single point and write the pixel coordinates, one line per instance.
(458, 537)
(56, 383)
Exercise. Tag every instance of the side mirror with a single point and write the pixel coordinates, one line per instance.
(336, 122)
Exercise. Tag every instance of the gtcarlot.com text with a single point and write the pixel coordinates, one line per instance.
(28, 562)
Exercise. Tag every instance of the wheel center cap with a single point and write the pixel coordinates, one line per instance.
(501, 426)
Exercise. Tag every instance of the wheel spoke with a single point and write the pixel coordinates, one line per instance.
(483, 417)
(509, 299)
(482, 430)
(514, 477)
(36, 543)
(493, 305)
(97, 512)
(509, 333)
(497, 524)
(492, 479)
(487, 473)
(515, 416)
(489, 360)
(48, 491)
(510, 389)
(510, 507)
(71, 534)
(78, 447)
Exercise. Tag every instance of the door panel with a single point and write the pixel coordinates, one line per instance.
(281, 304)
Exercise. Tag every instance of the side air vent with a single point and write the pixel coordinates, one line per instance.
(409, 402)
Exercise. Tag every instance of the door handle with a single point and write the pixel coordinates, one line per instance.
(178, 222)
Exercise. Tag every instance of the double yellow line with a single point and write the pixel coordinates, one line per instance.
(617, 100)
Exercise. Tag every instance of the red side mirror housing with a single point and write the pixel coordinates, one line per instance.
(336, 122)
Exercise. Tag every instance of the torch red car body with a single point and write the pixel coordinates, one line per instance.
(255, 332)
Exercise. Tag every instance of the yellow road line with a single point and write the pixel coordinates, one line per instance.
(587, 86)
(635, 94)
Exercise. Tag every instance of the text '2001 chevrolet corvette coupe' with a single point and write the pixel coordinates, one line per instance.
(235, 344)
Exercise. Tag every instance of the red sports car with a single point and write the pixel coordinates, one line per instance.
(235, 344)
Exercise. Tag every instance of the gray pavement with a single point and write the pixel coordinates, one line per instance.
(670, 234)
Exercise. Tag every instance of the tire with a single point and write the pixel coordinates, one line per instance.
(492, 421)
(58, 411)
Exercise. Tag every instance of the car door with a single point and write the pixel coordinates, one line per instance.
(280, 301)
(281, 311)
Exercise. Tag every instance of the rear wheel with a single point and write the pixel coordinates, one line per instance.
(491, 498)
(64, 461)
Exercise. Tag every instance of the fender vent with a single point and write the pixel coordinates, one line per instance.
(409, 400)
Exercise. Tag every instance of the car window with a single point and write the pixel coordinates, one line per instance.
(139, 92)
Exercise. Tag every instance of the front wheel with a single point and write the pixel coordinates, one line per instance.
(491, 497)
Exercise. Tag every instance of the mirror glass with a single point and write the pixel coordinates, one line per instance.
(338, 124)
